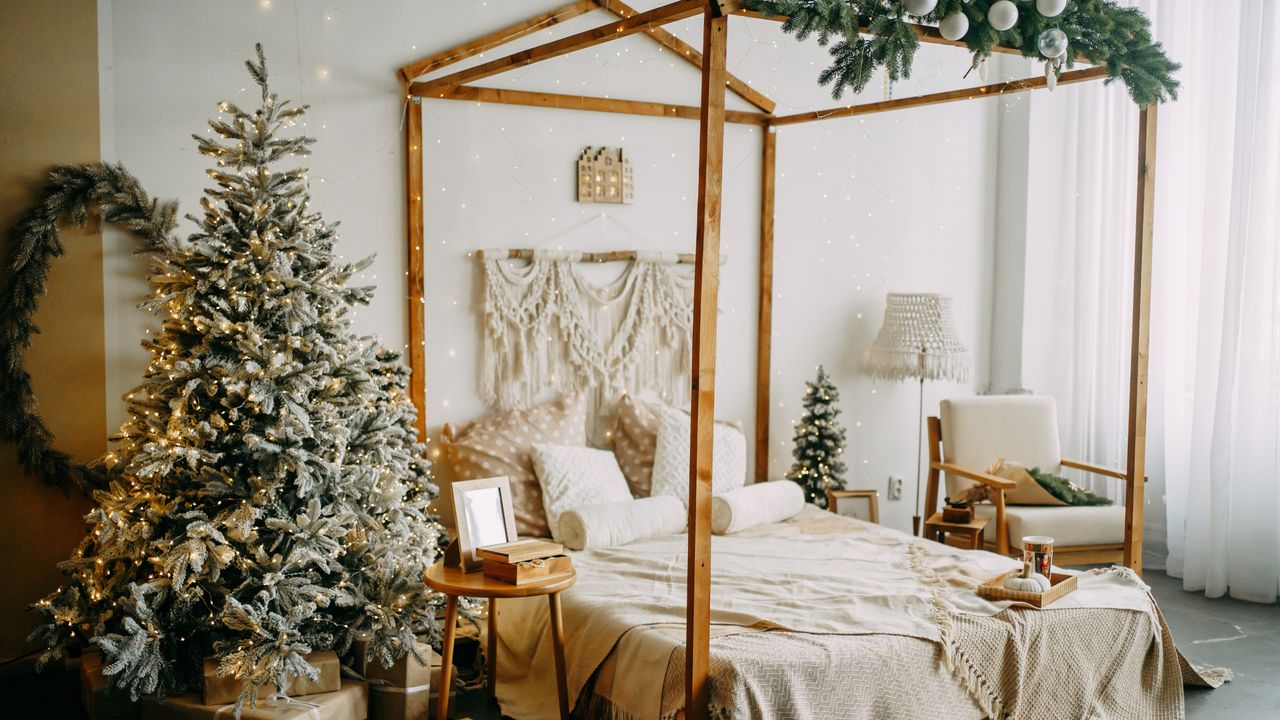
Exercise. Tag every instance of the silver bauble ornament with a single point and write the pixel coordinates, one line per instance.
(919, 7)
(954, 26)
(1053, 43)
(1051, 8)
(1003, 15)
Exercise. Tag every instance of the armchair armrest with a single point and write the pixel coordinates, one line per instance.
(984, 478)
(1095, 469)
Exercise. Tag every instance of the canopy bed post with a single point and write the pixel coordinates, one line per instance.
(764, 321)
(1136, 470)
(416, 279)
(705, 295)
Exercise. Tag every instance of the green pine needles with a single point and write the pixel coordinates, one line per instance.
(819, 440)
(871, 34)
(267, 496)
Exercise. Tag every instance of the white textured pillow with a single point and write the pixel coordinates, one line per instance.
(671, 460)
(574, 477)
(759, 504)
(611, 524)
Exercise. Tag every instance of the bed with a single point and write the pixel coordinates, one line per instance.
(824, 616)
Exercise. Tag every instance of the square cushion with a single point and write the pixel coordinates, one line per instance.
(977, 430)
(575, 477)
(1068, 525)
(636, 441)
(671, 461)
(502, 444)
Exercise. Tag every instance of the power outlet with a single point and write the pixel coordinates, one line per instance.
(895, 487)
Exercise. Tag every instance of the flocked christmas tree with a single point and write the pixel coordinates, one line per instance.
(268, 495)
(819, 440)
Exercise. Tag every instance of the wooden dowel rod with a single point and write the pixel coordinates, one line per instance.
(992, 90)
(508, 34)
(637, 23)
(583, 102)
(586, 257)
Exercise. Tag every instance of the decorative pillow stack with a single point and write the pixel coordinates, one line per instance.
(671, 459)
(502, 444)
(576, 477)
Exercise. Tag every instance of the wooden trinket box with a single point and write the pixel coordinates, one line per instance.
(953, 514)
(529, 571)
(1059, 585)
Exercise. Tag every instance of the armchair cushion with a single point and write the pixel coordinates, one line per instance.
(977, 430)
(1068, 525)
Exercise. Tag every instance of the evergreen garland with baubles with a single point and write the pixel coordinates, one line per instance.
(268, 496)
(819, 440)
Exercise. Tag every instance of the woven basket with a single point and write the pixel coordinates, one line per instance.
(1059, 585)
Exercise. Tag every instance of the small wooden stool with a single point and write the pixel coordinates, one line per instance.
(935, 528)
(455, 583)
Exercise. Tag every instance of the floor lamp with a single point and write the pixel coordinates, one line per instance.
(918, 342)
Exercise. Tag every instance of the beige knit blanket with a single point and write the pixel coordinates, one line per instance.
(874, 630)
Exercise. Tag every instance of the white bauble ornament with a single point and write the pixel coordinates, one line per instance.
(1003, 15)
(1051, 8)
(954, 26)
(919, 7)
(1053, 43)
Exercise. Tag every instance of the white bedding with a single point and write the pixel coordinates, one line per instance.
(816, 574)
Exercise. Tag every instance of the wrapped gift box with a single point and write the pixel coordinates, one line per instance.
(404, 673)
(223, 690)
(404, 690)
(349, 702)
(100, 701)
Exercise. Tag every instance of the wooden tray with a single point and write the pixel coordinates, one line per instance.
(1060, 585)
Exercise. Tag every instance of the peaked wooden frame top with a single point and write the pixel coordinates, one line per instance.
(712, 116)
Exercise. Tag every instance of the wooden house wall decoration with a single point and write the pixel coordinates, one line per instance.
(605, 176)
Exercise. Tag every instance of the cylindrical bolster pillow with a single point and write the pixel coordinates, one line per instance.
(754, 505)
(619, 523)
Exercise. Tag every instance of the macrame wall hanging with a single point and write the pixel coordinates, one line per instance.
(548, 328)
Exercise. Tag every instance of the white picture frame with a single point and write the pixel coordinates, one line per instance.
(485, 515)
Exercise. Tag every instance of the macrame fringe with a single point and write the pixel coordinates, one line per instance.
(896, 366)
(954, 658)
(546, 328)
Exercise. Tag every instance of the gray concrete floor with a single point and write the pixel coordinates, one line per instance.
(1227, 633)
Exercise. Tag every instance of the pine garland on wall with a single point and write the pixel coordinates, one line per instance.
(267, 496)
(820, 442)
(873, 34)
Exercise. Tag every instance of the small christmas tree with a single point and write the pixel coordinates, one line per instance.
(268, 497)
(819, 442)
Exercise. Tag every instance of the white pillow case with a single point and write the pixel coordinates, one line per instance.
(753, 505)
(574, 477)
(612, 524)
(671, 459)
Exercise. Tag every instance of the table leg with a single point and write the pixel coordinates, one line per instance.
(557, 642)
(446, 657)
(493, 648)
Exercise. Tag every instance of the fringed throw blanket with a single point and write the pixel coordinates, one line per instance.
(546, 327)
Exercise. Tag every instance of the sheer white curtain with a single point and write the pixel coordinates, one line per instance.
(1214, 421)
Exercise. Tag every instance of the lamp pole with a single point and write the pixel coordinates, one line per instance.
(915, 517)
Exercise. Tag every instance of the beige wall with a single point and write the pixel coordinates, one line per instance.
(48, 116)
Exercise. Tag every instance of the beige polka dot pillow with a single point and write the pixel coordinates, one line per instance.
(636, 442)
(502, 444)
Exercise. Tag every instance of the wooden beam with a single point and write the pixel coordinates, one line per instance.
(494, 39)
(705, 291)
(584, 102)
(417, 275)
(691, 54)
(992, 90)
(764, 318)
(924, 33)
(678, 10)
(1144, 233)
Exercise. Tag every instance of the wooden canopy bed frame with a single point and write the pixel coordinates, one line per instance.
(712, 116)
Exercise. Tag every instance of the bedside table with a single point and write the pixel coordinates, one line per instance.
(455, 583)
(935, 528)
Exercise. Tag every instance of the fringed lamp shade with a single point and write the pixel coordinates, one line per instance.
(918, 341)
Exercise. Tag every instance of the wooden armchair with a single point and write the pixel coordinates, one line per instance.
(973, 432)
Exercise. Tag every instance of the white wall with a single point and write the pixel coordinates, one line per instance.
(865, 206)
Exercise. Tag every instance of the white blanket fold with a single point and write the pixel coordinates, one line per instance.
(619, 523)
(753, 505)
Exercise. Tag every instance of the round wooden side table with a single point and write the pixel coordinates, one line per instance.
(455, 583)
